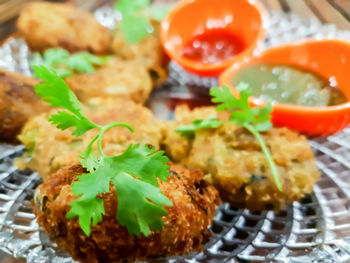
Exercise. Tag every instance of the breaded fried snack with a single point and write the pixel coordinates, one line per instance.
(44, 25)
(51, 148)
(120, 79)
(185, 227)
(148, 51)
(234, 162)
(18, 103)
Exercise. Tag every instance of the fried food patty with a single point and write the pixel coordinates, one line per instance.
(44, 25)
(148, 51)
(51, 148)
(116, 79)
(185, 227)
(235, 164)
(18, 102)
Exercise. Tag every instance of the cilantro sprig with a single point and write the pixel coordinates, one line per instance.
(135, 23)
(254, 119)
(66, 64)
(134, 174)
(189, 130)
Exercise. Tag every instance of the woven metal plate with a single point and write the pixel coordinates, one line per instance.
(316, 229)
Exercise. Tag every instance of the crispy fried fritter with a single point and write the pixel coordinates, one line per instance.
(148, 51)
(18, 102)
(235, 164)
(44, 25)
(116, 79)
(51, 148)
(185, 227)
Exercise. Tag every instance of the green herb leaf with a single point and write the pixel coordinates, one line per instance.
(56, 92)
(64, 120)
(126, 7)
(89, 210)
(159, 12)
(134, 173)
(135, 28)
(146, 201)
(143, 163)
(55, 55)
(135, 23)
(189, 130)
(254, 120)
(65, 64)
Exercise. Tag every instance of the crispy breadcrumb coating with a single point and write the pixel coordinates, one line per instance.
(235, 164)
(148, 51)
(44, 25)
(119, 79)
(18, 102)
(185, 227)
(51, 148)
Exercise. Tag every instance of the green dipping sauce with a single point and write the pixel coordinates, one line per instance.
(290, 85)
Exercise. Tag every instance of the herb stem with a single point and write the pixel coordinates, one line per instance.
(99, 144)
(106, 128)
(117, 124)
(267, 153)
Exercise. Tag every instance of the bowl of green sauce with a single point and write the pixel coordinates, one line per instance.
(307, 82)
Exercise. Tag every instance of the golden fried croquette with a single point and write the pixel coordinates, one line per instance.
(45, 25)
(233, 161)
(185, 227)
(116, 79)
(51, 148)
(148, 51)
(18, 102)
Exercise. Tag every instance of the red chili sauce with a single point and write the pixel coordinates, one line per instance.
(213, 46)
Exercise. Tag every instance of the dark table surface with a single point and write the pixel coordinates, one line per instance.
(326, 11)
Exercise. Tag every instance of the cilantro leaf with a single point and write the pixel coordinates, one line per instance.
(56, 92)
(134, 173)
(55, 55)
(189, 130)
(255, 120)
(126, 7)
(65, 64)
(135, 23)
(64, 120)
(143, 163)
(159, 12)
(89, 210)
(144, 210)
(135, 28)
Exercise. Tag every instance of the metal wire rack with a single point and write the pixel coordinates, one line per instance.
(316, 229)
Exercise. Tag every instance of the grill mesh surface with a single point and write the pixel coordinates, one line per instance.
(316, 228)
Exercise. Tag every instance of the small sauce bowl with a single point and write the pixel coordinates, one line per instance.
(329, 59)
(191, 18)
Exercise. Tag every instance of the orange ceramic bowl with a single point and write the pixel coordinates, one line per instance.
(328, 58)
(190, 18)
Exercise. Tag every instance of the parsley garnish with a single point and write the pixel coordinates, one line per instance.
(134, 173)
(189, 130)
(254, 119)
(65, 64)
(135, 22)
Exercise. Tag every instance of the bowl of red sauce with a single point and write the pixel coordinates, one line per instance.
(308, 83)
(206, 36)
